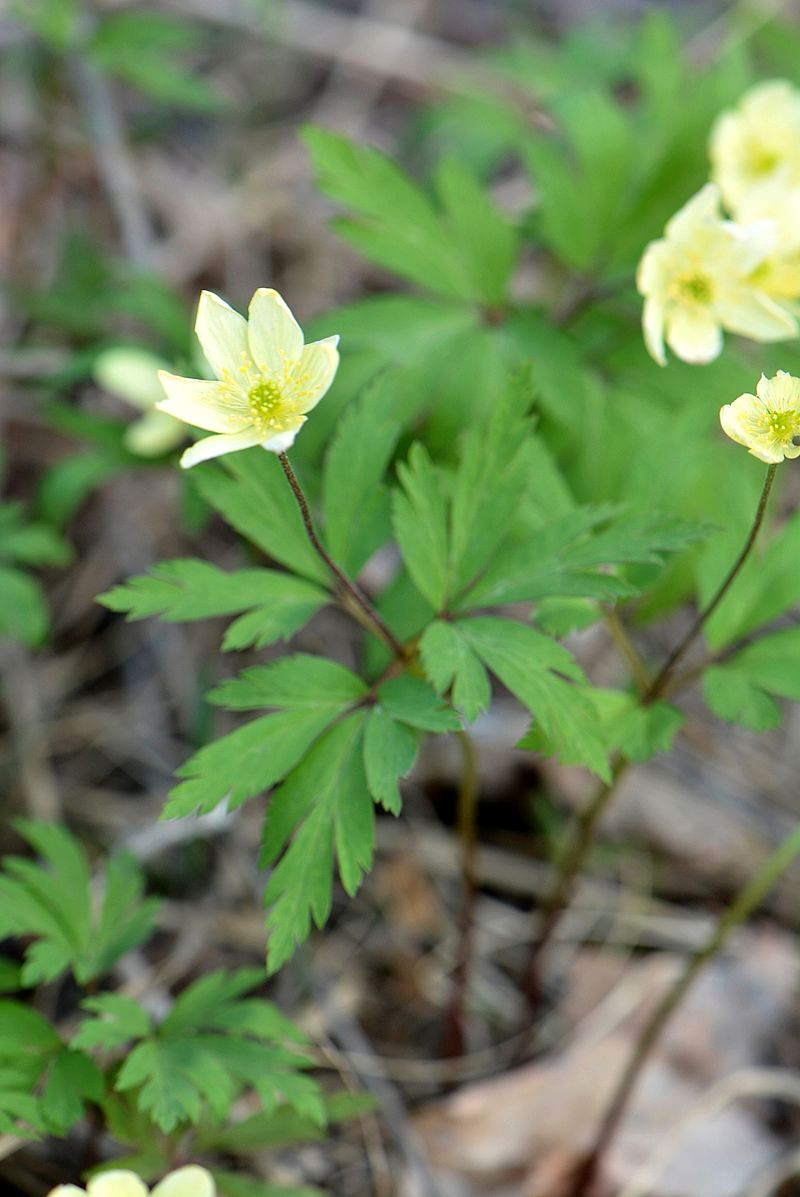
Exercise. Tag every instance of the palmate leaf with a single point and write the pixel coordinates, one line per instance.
(744, 689)
(309, 693)
(53, 904)
(23, 611)
(580, 555)
(448, 530)
(463, 248)
(535, 669)
(355, 503)
(214, 1044)
(390, 749)
(451, 664)
(327, 800)
(276, 605)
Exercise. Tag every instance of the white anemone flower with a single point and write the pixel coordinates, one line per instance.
(767, 423)
(756, 146)
(699, 279)
(267, 378)
(191, 1181)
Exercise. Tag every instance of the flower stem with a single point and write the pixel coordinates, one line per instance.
(346, 587)
(453, 1033)
(742, 907)
(660, 681)
(582, 833)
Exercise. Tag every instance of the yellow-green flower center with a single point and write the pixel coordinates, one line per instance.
(694, 288)
(267, 407)
(783, 425)
(760, 160)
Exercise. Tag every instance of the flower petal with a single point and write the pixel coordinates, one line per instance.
(217, 446)
(653, 327)
(781, 393)
(130, 373)
(191, 1181)
(729, 418)
(155, 433)
(694, 335)
(282, 440)
(753, 314)
(313, 375)
(702, 208)
(116, 1183)
(222, 334)
(275, 337)
(210, 405)
(67, 1191)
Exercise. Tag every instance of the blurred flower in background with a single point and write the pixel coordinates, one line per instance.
(132, 374)
(698, 280)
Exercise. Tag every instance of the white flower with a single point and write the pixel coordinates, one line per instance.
(267, 379)
(190, 1181)
(755, 149)
(767, 423)
(132, 374)
(697, 281)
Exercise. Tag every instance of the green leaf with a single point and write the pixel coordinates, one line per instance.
(448, 661)
(10, 976)
(412, 701)
(743, 689)
(252, 494)
(236, 1184)
(530, 665)
(142, 49)
(29, 543)
(246, 762)
(489, 482)
(72, 1080)
(355, 502)
(419, 514)
(26, 1033)
(126, 919)
(579, 555)
(485, 239)
(390, 749)
(53, 904)
(295, 683)
(213, 1045)
(119, 1020)
(326, 797)
(23, 611)
(397, 226)
(184, 590)
(636, 731)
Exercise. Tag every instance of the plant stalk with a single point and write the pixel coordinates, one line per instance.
(346, 587)
(581, 836)
(453, 1037)
(746, 902)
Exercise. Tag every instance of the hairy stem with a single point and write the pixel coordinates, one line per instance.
(453, 1033)
(746, 902)
(347, 588)
(582, 833)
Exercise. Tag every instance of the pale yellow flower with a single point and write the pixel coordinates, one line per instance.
(697, 281)
(767, 423)
(190, 1181)
(132, 374)
(267, 378)
(755, 149)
